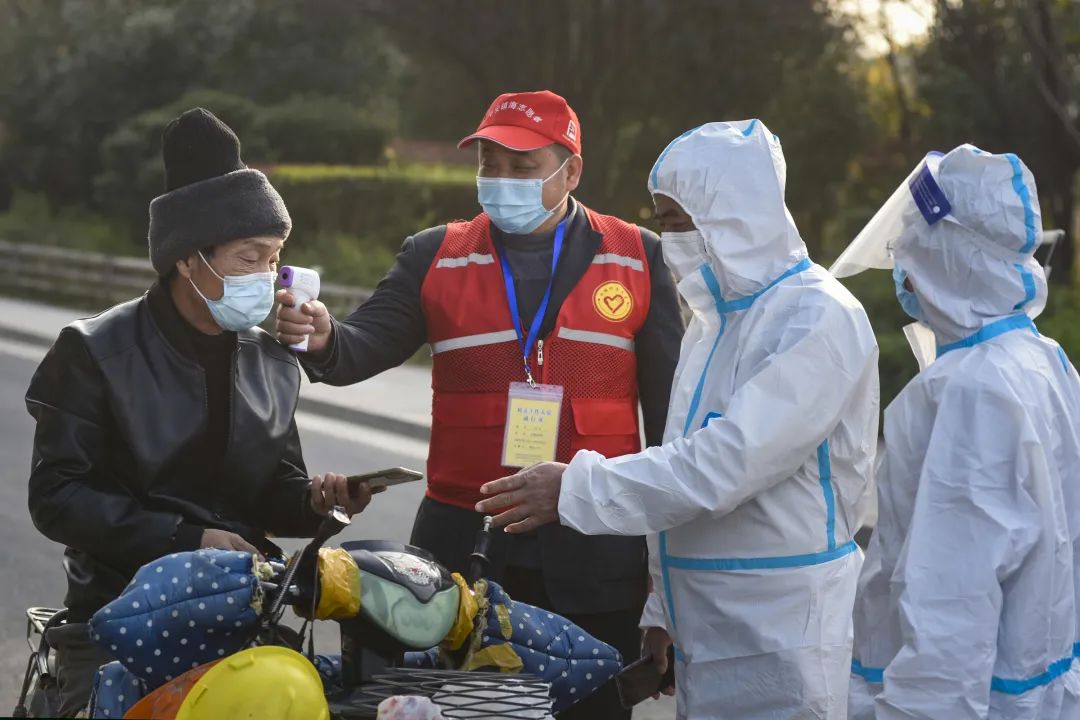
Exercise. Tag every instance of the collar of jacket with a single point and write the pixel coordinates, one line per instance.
(177, 331)
(579, 249)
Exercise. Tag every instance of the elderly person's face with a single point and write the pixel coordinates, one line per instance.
(237, 257)
(198, 282)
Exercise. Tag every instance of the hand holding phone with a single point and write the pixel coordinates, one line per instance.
(334, 490)
(382, 479)
(641, 680)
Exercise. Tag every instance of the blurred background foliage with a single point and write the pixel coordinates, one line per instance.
(353, 106)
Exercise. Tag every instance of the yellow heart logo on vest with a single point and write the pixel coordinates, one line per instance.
(613, 301)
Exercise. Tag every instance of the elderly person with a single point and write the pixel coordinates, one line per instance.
(166, 423)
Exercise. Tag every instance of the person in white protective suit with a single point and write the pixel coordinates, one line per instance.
(967, 604)
(754, 497)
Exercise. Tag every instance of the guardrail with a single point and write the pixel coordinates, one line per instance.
(96, 281)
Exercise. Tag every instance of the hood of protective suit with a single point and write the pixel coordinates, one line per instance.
(977, 265)
(963, 228)
(730, 177)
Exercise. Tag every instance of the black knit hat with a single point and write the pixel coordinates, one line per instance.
(210, 197)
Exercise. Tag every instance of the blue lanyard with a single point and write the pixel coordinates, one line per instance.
(527, 343)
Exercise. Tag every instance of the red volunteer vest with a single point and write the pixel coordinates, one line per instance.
(476, 355)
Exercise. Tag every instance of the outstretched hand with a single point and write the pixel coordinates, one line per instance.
(527, 500)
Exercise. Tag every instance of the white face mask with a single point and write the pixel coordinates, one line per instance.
(246, 302)
(684, 252)
(516, 206)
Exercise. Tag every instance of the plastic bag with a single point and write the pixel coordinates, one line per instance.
(409, 707)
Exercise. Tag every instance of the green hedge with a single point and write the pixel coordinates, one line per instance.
(302, 130)
(321, 130)
(132, 173)
(32, 220)
(356, 217)
(349, 221)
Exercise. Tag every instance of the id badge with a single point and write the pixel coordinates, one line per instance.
(532, 424)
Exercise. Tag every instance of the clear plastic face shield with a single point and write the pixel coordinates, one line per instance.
(918, 195)
(873, 247)
(1044, 253)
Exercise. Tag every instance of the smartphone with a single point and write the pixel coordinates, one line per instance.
(387, 478)
(639, 681)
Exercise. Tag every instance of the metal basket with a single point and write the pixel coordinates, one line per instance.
(465, 695)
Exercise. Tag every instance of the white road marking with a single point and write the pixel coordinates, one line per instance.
(406, 446)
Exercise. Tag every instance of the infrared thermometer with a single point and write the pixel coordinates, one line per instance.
(304, 284)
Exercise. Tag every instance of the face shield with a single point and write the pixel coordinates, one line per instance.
(1044, 253)
(919, 194)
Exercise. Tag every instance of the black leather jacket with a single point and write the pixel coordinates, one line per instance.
(118, 408)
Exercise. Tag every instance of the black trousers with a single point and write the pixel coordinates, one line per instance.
(438, 530)
(77, 661)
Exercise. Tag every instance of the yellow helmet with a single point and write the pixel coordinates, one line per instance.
(261, 683)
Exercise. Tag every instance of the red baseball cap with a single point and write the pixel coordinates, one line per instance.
(529, 121)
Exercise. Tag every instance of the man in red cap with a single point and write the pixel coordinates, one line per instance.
(548, 324)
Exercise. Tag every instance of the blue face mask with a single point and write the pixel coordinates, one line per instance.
(515, 206)
(908, 301)
(246, 302)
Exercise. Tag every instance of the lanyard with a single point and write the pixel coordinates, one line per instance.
(527, 343)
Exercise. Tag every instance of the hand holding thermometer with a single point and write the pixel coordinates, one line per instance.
(303, 284)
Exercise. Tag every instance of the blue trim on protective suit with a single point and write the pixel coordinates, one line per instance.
(1064, 359)
(762, 563)
(1029, 286)
(1025, 199)
(874, 675)
(989, 332)
(713, 284)
(709, 416)
(665, 576)
(825, 477)
(999, 685)
(1019, 687)
(695, 402)
(664, 154)
(723, 307)
(726, 306)
(750, 128)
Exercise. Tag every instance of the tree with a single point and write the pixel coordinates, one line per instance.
(639, 73)
(72, 72)
(1005, 75)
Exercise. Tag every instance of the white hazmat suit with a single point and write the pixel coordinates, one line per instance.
(967, 605)
(755, 495)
